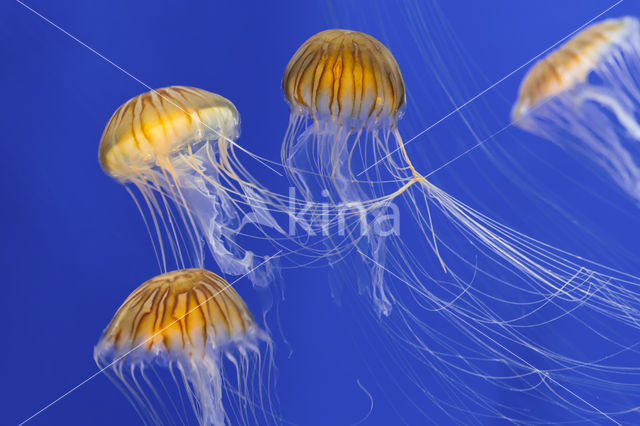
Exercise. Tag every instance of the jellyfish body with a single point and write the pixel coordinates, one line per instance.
(188, 321)
(585, 95)
(176, 145)
(345, 92)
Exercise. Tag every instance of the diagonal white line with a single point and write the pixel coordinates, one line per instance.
(256, 157)
(482, 142)
(142, 344)
(485, 91)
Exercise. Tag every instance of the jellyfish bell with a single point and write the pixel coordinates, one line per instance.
(177, 146)
(584, 96)
(570, 65)
(344, 76)
(148, 129)
(193, 323)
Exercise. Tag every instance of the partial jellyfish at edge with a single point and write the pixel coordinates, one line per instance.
(585, 96)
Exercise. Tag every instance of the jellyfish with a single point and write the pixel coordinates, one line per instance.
(176, 145)
(345, 90)
(585, 96)
(193, 324)
(499, 291)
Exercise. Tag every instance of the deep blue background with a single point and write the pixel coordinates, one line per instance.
(72, 242)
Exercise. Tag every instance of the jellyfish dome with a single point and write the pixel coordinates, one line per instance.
(187, 321)
(177, 146)
(151, 127)
(346, 76)
(584, 95)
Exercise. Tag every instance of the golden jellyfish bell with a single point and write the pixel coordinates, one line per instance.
(185, 311)
(571, 63)
(344, 75)
(150, 127)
